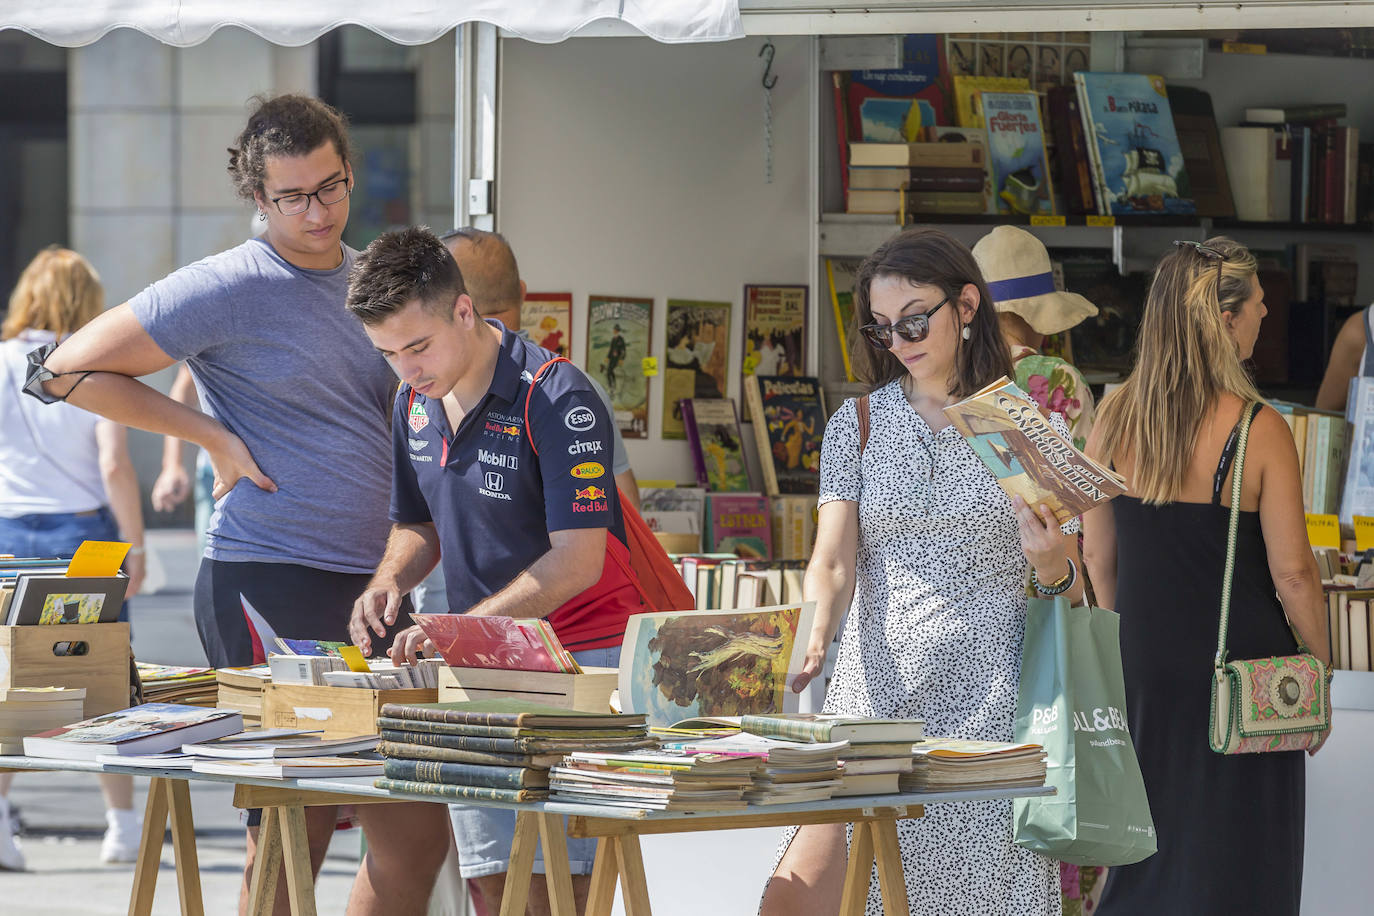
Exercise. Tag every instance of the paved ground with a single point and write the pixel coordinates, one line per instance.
(63, 815)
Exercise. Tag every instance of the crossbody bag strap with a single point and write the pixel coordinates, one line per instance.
(539, 374)
(1241, 440)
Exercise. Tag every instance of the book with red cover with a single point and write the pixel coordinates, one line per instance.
(471, 641)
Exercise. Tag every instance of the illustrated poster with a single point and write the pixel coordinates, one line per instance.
(680, 664)
(695, 359)
(774, 332)
(617, 343)
(547, 318)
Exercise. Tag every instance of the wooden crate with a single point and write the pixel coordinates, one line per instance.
(340, 712)
(46, 657)
(589, 691)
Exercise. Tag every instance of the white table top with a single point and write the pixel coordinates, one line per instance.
(363, 786)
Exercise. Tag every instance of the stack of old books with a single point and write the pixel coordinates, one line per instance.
(655, 779)
(26, 711)
(877, 754)
(241, 689)
(499, 749)
(177, 684)
(953, 763)
(784, 771)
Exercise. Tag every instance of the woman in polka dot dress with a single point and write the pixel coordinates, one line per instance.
(935, 556)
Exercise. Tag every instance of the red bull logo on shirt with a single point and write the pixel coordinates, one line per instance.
(596, 497)
(502, 429)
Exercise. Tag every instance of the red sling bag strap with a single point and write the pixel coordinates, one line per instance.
(649, 569)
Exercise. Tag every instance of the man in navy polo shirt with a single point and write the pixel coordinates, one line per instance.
(518, 500)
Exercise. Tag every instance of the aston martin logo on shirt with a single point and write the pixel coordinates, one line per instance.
(417, 444)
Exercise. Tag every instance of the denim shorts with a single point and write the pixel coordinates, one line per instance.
(484, 835)
(58, 534)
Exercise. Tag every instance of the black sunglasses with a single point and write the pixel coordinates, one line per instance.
(1207, 251)
(913, 328)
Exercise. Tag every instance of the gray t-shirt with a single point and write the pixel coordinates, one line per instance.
(280, 362)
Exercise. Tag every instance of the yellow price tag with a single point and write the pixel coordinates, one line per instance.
(1324, 531)
(97, 558)
(649, 365)
(1242, 47)
(1364, 532)
(353, 658)
(1101, 222)
(1041, 219)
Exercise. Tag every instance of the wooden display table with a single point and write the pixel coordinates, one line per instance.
(618, 856)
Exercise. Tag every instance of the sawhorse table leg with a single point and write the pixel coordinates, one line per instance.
(282, 837)
(619, 858)
(167, 797)
(531, 829)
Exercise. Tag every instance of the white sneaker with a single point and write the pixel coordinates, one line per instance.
(123, 832)
(11, 859)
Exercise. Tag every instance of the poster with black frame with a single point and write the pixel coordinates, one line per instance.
(618, 335)
(696, 357)
(774, 332)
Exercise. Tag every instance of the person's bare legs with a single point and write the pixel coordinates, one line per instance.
(118, 791)
(407, 843)
(491, 888)
(319, 830)
(810, 877)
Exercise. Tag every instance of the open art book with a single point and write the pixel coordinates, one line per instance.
(1029, 457)
(682, 664)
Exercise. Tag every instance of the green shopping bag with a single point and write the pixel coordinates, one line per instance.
(1073, 701)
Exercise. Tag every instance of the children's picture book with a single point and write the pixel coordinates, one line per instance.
(774, 332)
(695, 358)
(152, 728)
(618, 335)
(1029, 457)
(681, 664)
(891, 106)
(968, 89)
(739, 524)
(1017, 160)
(46, 598)
(547, 318)
(1132, 143)
(717, 447)
(470, 641)
(789, 422)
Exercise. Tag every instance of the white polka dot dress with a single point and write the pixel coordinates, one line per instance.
(935, 632)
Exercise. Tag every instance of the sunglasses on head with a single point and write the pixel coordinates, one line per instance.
(1207, 251)
(912, 328)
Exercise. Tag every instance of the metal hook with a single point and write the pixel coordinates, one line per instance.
(768, 51)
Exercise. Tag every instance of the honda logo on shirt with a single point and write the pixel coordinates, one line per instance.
(495, 482)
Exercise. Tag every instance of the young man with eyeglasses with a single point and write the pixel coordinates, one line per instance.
(297, 402)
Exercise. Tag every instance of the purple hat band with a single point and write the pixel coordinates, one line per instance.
(1022, 287)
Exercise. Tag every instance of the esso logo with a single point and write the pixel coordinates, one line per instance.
(588, 470)
(579, 419)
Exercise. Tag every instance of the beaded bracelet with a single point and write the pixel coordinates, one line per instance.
(1067, 582)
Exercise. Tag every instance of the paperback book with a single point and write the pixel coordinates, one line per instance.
(1017, 160)
(290, 767)
(789, 423)
(739, 524)
(1029, 457)
(44, 599)
(713, 434)
(823, 727)
(152, 728)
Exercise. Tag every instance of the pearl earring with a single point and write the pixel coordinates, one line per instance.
(967, 333)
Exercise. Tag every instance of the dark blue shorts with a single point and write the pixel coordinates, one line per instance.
(58, 534)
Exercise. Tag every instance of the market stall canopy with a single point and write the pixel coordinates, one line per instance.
(182, 23)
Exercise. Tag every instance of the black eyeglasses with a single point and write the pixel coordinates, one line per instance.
(332, 193)
(1207, 251)
(913, 328)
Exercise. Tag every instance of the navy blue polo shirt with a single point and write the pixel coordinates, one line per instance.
(493, 502)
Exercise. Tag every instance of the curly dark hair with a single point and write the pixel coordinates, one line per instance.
(284, 125)
(398, 268)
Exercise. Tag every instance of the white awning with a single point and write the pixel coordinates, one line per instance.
(72, 23)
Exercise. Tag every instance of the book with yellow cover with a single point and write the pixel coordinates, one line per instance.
(1029, 457)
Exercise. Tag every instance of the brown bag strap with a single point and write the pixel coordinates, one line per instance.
(862, 407)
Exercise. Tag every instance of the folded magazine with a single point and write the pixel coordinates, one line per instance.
(1030, 458)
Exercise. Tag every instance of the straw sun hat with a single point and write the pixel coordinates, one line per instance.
(1017, 269)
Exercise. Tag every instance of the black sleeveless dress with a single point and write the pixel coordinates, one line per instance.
(1230, 828)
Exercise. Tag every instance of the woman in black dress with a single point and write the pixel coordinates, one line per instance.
(1230, 828)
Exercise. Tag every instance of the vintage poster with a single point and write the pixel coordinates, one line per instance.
(680, 664)
(774, 332)
(696, 357)
(547, 318)
(618, 330)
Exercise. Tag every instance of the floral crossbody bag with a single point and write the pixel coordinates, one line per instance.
(1263, 704)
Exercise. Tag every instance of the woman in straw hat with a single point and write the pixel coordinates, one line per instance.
(1030, 308)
